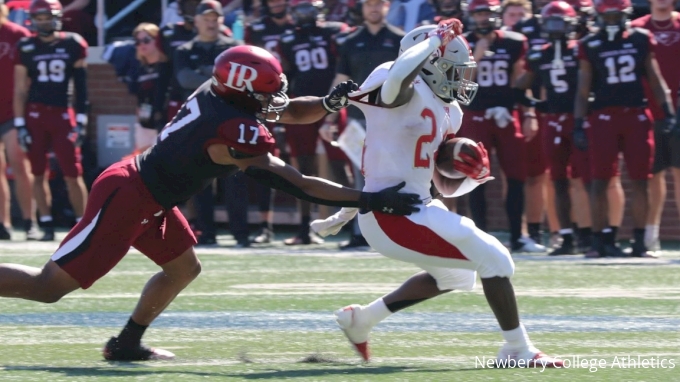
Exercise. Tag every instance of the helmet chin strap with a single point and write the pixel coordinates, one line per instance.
(612, 31)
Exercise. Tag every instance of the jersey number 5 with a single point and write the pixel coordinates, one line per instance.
(418, 160)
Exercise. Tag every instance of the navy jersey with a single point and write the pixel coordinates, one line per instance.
(266, 34)
(559, 77)
(618, 67)
(495, 71)
(531, 29)
(311, 56)
(50, 66)
(178, 165)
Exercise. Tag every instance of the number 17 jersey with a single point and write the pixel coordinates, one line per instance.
(401, 142)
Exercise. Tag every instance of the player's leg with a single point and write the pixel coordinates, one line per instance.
(89, 251)
(5, 197)
(265, 199)
(616, 203)
(638, 152)
(302, 142)
(535, 185)
(37, 155)
(477, 128)
(551, 214)
(169, 243)
(69, 162)
(580, 211)
(511, 150)
(23, 182)
(235, 193)
(657, 186)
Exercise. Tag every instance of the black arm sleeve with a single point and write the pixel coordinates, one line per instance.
(80, 86)
(271, 180)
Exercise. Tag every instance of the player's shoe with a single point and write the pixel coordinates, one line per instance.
(264, 237)
(303, 238)
(555, 240)
(113, 351)
(354, 323)
(48, 235)
(526, 244)
(32, 232)
(564, 249)
(639, 250)
(4, 233)
(529, 357)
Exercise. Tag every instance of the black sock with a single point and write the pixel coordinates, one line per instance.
(639, 236)
(615, 231)
(132, 333)
(304, 225)
(574, 226)
(607, 236)
(514, 206)
(567, 239)
(535, 231)
(597, 240)
(399, 305)
(477, 202)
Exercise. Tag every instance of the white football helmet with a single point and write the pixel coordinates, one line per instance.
(449, 76)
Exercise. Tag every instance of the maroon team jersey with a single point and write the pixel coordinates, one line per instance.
(10, 34)
(50, 66)
(311, 56)
(667, 51)
(618, 67)
(495, 71)
(558, 77)
(266, 34)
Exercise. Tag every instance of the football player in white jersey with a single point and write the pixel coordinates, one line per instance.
(411, 107)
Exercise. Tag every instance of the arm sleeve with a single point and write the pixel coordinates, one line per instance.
(405, 65)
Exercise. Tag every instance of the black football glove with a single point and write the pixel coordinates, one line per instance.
(77, 134)
(337, 99)
(579, 135)
(24, 136)
(390, 201)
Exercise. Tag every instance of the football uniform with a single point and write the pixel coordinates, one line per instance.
(537, 161)
(619, 120)
(49, 120)
(266, 34)
(171, 37)
(133, 202)
(494, 74)
(559, 78)
(10, 34)
(400, 145)
(666, 51)
(310, 55)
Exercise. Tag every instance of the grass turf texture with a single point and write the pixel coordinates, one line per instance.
(266, 314)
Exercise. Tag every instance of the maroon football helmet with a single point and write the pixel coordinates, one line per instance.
(52, 8)
(612, 16)
(245, 73)
(558, 19)
(494, 21)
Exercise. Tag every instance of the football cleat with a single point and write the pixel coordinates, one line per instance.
(356, 328)
(530, 357)
(113, 351)
(526, 244)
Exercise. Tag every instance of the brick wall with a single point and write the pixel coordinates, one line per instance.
(108, 96)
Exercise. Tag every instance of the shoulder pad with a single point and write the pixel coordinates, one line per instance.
(257, 26)
(593, 43)
(510, 35)
(534, 55)
(27, 44)
(78, 38)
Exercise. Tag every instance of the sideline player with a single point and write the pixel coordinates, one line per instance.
(44, 67)
(554, 65)
(217, 132)
(664, 23)
(612, 64)
(10, 34)
(411, 107)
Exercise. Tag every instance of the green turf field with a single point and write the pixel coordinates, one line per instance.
(266, 314)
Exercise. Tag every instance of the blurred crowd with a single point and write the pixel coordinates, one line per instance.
(164, 56)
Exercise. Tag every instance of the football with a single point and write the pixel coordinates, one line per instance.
(449, 151)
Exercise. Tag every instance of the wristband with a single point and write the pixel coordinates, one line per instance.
(81, 118)
(19, 121)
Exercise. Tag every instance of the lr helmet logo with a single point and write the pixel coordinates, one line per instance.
(241, 77)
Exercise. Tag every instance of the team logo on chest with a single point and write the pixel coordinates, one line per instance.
(667, 38)
(241, 77)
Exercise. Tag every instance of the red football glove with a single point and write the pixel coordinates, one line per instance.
(476, 168)
(447, 30)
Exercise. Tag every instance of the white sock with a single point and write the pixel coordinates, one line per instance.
(377, 311)
(517, 338)
(46, 218)
(651, 233)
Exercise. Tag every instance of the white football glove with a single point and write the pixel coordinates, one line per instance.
(500, 114)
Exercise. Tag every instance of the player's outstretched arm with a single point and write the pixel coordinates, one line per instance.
(274, 173)
(398, 89)
(304, 110)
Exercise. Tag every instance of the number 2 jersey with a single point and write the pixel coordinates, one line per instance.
(50, 66)
(558, 76)
(178, 165)
(618, 67)
(401, 142)
(495, 70)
